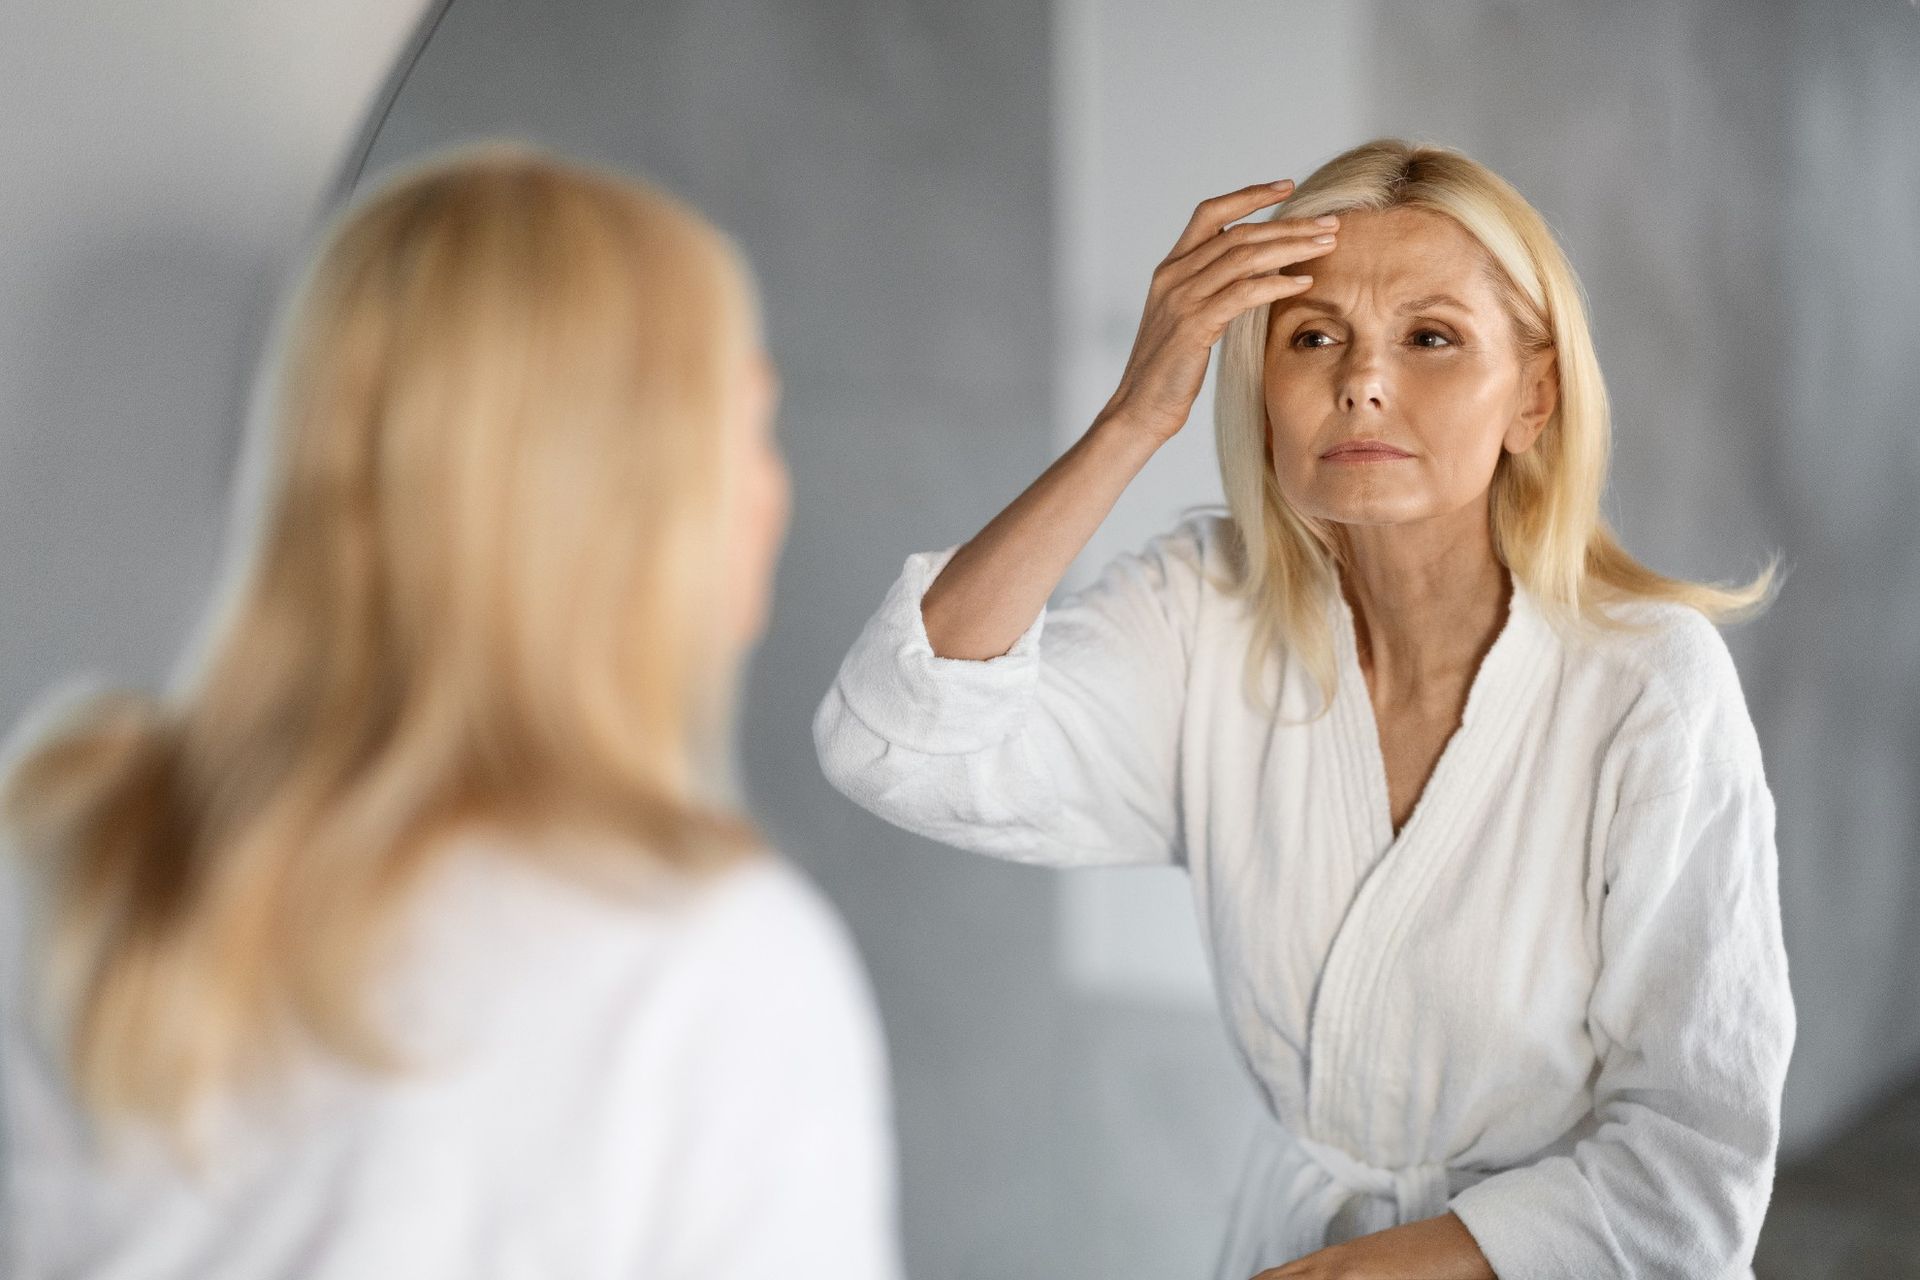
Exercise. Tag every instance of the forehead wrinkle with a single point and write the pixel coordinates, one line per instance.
(1431, 253)
(1418, 304)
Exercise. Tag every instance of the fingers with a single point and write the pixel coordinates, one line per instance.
(1223, 306)
(1211, 215)
(1255, 259)
(1250, 260)
(1306, 232)
(1216, 272)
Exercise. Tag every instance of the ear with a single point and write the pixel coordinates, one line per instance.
(1539, 396)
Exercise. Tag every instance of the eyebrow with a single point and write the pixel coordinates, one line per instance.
(1418, 304)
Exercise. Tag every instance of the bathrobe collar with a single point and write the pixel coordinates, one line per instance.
(1399, 871)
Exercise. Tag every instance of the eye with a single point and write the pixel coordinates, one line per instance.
(1302, 339)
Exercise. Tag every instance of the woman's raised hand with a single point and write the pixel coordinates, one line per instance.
(1213, 274)
(998, 581)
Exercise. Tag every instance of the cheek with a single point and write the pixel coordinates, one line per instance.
(1295, 407)
(1296, 415)
(1461, 379)
(1460, 408)
(759, 529)
(772, 500)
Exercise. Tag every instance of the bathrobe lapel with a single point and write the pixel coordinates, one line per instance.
(1351, 1056)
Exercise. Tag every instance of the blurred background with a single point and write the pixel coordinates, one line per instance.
(953, 208)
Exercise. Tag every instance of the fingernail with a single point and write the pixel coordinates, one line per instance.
(1327, 220)
(1283, 184)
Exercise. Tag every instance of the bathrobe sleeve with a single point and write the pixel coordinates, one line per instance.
(1693, 1021)
(1060, 752)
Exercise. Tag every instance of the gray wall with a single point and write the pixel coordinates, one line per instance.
(160, 166)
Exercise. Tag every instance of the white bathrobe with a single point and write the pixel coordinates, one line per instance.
(1555, 1002)
(694, 1089)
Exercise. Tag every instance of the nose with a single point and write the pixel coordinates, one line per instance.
(1363, 379)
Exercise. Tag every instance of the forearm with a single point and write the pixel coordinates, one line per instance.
(997, 583)
(991, 591)
(1437, 1248)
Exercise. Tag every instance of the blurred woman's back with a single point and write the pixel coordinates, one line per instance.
(418, 932)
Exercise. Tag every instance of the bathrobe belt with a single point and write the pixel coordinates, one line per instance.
(1417, 1190)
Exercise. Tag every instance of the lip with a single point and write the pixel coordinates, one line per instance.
(1364, 451)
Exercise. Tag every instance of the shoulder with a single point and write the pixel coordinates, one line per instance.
(1179, 565)
(766, 929)
(764, 1016)
(1205, 541)
(510, 944)
(763, 1043)
(1681, 705)
(1153, 597)
(701, 1069)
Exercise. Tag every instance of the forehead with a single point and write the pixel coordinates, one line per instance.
(1397, 254)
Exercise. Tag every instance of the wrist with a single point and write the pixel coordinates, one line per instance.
(1122, 423)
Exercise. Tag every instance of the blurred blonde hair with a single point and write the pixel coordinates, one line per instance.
(479, 582)
(1548, 528)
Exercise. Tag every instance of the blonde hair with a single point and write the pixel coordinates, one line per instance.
(1547, 525)
(482, 587)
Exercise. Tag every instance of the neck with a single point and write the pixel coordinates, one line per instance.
(1427, 603)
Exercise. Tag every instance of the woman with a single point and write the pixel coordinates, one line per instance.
(1471, 801)
(418, 934)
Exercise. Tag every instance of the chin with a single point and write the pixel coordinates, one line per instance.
(1373, 513)
(1358, 506)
